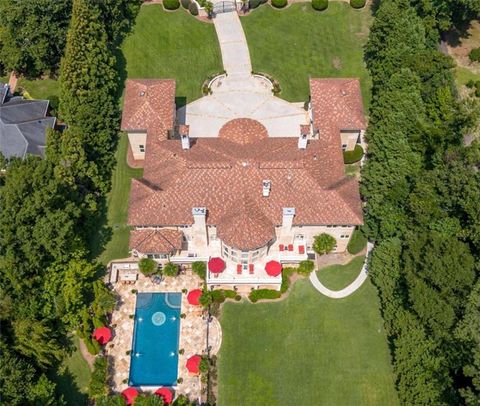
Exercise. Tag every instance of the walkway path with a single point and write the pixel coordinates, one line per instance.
(339, 294)
(240, 94)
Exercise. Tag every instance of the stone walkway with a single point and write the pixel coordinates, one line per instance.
(240, 94)
(340, 294)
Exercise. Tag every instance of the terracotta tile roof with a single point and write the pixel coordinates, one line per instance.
(337, 105)
(162, 241)
(226, 177)
(149, 105)
(243, 131)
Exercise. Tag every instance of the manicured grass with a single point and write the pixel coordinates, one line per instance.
(73, 377)
(41, 88)
(306, 350)
(172, 45)
(337, 277)
(117, 203)
(299, 42)
(357, 243)
(463, 75)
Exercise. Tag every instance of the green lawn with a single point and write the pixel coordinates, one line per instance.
(298, 42)
(72, 378)
(307, 350)
(172, 45)
(117, 203)
(337, 277)
(463, 75)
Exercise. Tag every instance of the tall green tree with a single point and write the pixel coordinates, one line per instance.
(32, 34)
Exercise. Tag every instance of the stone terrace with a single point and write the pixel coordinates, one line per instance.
(193, 331)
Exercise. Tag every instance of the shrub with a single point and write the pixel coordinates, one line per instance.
(263, 294)
(93, 347)
(193, 9)
(204, 365)
(357, 243)
(279, 3)
(357, 3)
(238, 298)
(171, 4)
(97, 322)
(218, 296)
(170, 269)
(286, 272)
(206, 298)
(185, 3)
(230, 294)
(306, 267)
(254, 3)
(350, 157)
(320, 5)
(98, 380)
(200, 268)
(323, 243)
(147, 266)
(470, 84)
(474, 55)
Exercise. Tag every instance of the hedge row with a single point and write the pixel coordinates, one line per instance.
(258, 294)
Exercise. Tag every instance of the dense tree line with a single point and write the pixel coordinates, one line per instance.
(50, 209)
(33, 32)
(422, 188)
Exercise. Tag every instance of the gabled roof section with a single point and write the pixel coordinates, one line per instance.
(149, 106)
(337, 105)
(23, 126)
(150, 241)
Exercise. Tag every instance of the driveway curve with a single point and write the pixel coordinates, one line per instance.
(340, 294)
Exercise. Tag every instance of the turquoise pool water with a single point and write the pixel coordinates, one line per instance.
(154, 356)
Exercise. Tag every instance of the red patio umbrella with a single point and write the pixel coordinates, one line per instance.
(130, 394)
(273, 268)
(102, 335)
(216, 265)
(193, 364)
(193, 297)
(166, 394)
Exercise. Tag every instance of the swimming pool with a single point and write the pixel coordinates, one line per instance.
(154, 356)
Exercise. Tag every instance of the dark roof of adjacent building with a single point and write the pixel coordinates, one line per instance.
(23, 125)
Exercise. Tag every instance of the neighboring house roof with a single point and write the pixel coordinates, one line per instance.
(23, 125)
(225, 176)
(149, 106)
(337, 105)
(162, 241)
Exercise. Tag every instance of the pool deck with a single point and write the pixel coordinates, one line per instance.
(193, 331)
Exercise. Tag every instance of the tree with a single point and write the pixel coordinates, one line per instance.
(37, 340)
(19, 384)
(89, 83)
(104, 299)
(147, 266)
(68, 290)
(324, 243)
(306, 267)
(170, 269)
(148, 400)
(33, 35)
(200, 268)
(98, 381)
(111, 400)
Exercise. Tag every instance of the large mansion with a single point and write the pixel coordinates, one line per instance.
(243, 196)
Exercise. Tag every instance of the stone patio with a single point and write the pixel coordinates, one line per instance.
(193, 331)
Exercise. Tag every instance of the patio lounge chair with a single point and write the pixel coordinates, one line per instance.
(290, 247)
(239, 269)
(301, 249)
(250, 269)
(280, 247)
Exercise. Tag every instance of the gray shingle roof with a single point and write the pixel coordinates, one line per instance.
(23, 125)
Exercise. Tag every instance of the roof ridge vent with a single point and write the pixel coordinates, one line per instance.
(266, 186)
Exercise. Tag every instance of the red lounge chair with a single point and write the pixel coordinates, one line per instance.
(280, 247)
(239, 269)
(250, 269)
(290, 247)
(301, 249)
